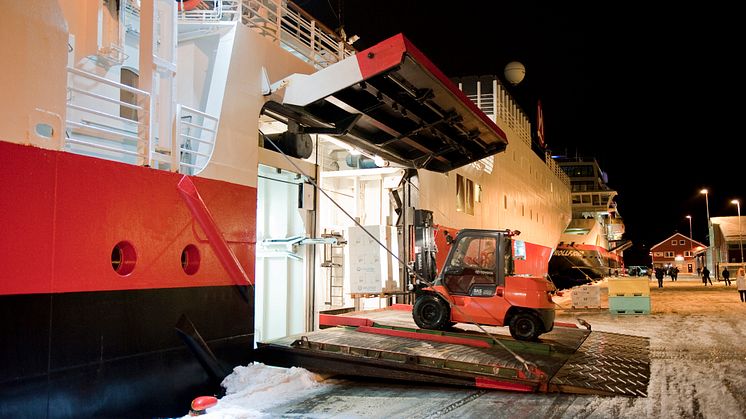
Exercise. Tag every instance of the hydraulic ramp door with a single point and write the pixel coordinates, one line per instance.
(391, 101)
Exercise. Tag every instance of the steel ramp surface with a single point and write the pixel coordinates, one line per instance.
(386, 344)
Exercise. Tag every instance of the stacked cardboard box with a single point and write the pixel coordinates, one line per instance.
(586, 296)
(629, 296)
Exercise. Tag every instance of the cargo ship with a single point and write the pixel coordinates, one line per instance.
(177, 178)
(592, 246)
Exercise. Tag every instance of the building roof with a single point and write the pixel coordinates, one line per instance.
(678, 236)
(729, 227)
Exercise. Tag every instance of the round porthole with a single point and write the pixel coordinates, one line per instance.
(44, 130)
(190, 259)
(123, 258)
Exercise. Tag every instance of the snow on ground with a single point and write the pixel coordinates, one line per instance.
(252, 389)
(697, 350)
(698, 369)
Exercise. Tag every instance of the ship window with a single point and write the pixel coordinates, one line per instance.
(586, 199)
(123, 258)
(596, 199)
(464, 195)
(190, 259)
(44, 130)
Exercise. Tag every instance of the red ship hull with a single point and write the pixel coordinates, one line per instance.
(102, 262)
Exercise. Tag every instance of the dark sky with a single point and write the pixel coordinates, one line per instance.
(652, 94)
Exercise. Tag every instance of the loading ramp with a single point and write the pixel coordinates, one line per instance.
(390, 101)
(386, 344)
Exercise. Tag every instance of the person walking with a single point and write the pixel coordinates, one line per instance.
(659, 276)
(706, 276)
(741, 284)
(674, 273)
(726, 276)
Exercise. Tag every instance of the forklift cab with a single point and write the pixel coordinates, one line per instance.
(478, 285)
(478, 264)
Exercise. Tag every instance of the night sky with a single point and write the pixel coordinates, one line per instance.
(652, 94)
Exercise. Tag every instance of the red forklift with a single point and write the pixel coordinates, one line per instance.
(478, 285)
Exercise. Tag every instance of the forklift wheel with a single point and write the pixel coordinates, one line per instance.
(525, 326)
(431, 312)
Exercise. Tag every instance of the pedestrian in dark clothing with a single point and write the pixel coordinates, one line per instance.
(659, 276)
(706, 276)
(674, 274)
(726, 276)
(699, 271)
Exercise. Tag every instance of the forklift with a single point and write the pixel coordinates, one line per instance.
(477, 283)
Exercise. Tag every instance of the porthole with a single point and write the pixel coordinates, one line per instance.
(190, 259)
(123, 258)
(44, 130)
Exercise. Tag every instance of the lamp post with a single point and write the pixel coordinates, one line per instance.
(740, 243)
(709, 228)
(691, 245)
(690, 229)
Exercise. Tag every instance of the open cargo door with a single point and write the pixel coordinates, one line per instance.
(391, 101)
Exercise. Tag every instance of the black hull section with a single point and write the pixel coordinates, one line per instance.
(578, 267)
(117, 353)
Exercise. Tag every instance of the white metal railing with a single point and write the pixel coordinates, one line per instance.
(196, 132)
(506, 110)
(556, 169)
(296, 31)
(94, 124)
(495, 101)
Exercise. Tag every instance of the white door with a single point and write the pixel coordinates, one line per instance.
(281, 270)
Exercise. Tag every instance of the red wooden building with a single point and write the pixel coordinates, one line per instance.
(677, 250)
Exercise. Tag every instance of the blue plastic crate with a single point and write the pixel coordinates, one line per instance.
(629, 305)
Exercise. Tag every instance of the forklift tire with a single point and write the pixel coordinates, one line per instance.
(431, 312)
(525, 326)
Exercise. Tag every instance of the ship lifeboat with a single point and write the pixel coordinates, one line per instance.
(187, 5)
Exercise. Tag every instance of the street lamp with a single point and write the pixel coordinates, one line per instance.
(707, 206)
(740, 243)
(691, 245)
(690, 227)
(709, 227)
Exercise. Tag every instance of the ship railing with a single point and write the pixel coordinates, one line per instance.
(502, 108)
(556, 169)
(495, 101)
(295, 31)
(107, 119)
(196, 132)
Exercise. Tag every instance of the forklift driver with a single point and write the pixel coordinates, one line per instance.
(481, 254)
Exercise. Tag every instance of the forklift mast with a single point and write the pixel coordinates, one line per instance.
(424, 245)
